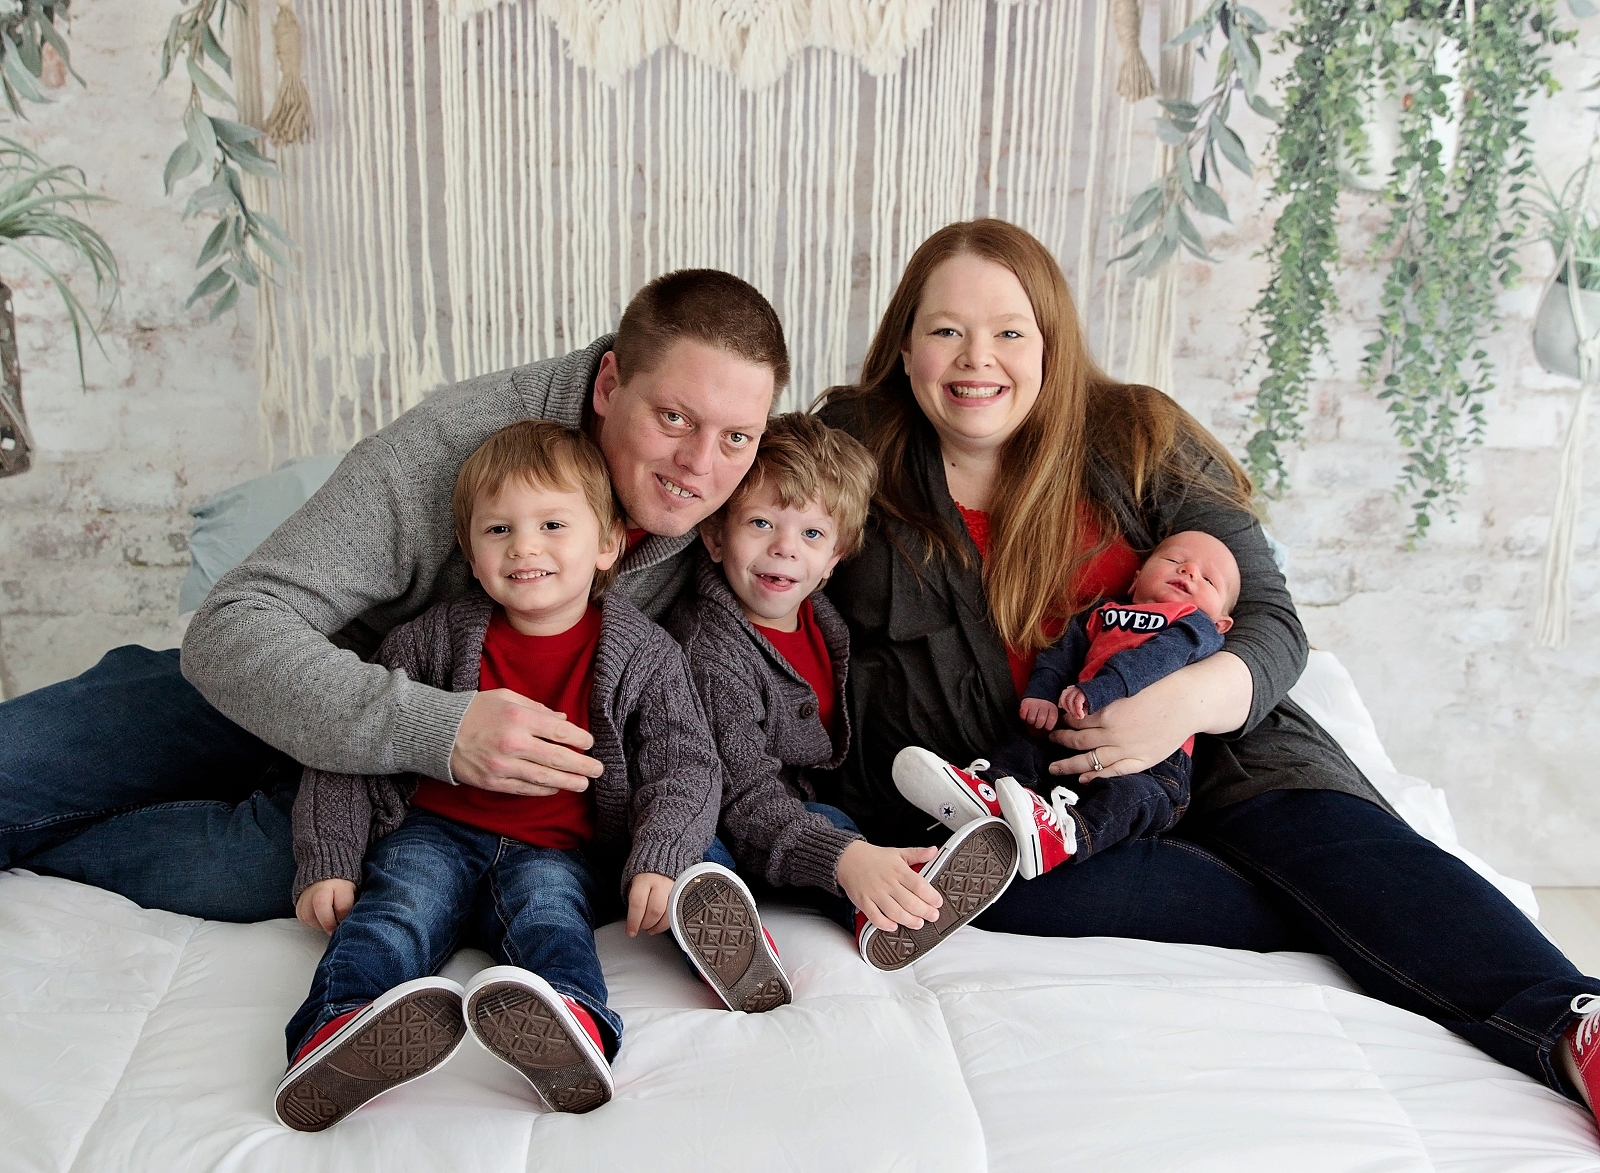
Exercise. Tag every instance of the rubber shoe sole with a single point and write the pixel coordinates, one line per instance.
(521, 1020)
(715, 921)
(405, 1033)
(975, 867)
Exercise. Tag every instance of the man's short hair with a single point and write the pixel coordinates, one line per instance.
(705, 305)
(801, 459)
(545, 455)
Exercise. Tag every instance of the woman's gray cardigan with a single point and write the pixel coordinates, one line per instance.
(930, 668)
(763, 715)
(655, 804)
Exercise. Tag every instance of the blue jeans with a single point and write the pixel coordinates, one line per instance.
(1332, 873)
(435, 884)
(127, 779)
(836, 908)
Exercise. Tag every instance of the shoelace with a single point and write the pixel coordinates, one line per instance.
(977, 765)
(1587, 1005)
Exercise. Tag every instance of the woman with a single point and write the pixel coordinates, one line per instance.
(1017, 484)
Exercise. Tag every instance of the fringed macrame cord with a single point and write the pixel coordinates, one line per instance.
(1135, 82)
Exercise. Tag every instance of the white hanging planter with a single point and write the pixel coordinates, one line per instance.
(1374, 167)
(1556, 337)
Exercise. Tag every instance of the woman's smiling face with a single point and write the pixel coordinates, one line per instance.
(975, 355)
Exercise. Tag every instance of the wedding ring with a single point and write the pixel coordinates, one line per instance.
(1095, 758)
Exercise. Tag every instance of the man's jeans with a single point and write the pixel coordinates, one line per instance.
(836, 908)
(435, 884)
(127, 779)
(1411, 923)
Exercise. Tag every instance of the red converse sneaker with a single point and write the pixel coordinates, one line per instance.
(970, 872)
(936, 787)
(405, 1033)
(550, 1039)
(1584, 1038)
(1046, 834)
(715, 921)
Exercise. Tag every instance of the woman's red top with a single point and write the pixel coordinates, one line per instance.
(1110, 575)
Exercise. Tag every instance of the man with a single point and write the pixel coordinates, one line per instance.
(175, 790)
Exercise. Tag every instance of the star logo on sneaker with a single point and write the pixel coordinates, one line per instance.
(948, 810)
(987, 792)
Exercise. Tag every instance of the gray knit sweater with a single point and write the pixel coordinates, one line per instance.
(280, 645)
(655, 805)
(764, 717)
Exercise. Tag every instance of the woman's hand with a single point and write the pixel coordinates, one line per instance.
(1133, 734)
(882, 882)
(324, 904)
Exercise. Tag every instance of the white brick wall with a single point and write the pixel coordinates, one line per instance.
(1439, 639)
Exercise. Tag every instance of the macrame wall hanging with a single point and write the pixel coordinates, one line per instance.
(473, 185)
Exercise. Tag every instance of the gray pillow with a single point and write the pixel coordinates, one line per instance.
(237, 520)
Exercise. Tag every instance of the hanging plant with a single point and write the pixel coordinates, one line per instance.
(1200, 136)
(228, 149)
(1453, 224)
(27, 30)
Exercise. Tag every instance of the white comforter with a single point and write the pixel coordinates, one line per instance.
(147, 1041)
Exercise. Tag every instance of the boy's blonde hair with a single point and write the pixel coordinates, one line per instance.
(802, 459)
(545, 455)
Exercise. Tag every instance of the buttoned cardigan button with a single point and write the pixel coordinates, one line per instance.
(808, 710)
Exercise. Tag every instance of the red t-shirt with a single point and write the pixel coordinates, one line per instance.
(807, 653)
(1110, 575)
(558, 672)
(635, 536)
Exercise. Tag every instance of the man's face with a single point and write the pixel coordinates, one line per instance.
(679, 439)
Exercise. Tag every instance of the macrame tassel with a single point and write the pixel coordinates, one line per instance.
(1135, 82)
(290, 120)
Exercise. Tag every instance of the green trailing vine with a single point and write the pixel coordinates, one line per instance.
(26, 28)
(1201, 137)
(228, 149)
(1452, 231)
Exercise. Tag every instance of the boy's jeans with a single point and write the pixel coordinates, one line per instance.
(434, 882)
(836, 908)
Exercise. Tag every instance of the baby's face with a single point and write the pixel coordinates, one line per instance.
(1191, 567)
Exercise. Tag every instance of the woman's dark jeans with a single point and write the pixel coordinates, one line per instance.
(1336, 874)
(436, 883)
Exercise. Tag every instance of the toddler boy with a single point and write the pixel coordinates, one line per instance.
(517, 874)
(1181, 599)
(769, 656)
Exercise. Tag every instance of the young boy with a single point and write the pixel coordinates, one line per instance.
(769, 656)
(517, 874)
(1181, 599)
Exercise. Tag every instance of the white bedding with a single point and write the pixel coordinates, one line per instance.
(142, 1040)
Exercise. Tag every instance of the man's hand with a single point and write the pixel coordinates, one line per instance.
(883, 883)
(1075, 703)
(510, 744)
(324, 904)
(647, 903)
(1040, 714)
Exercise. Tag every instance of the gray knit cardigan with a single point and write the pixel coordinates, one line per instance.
(655, 804)
(764, 718)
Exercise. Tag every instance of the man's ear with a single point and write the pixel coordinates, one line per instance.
(613, 549)
(606, 383)
(1224, 624)
(711, 535)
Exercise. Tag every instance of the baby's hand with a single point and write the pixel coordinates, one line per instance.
(1040, 714)
(324, 904)
(883, 883)
(647, 903)
(1074, 702)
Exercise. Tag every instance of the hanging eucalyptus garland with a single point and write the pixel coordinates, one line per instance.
(1453, 224)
